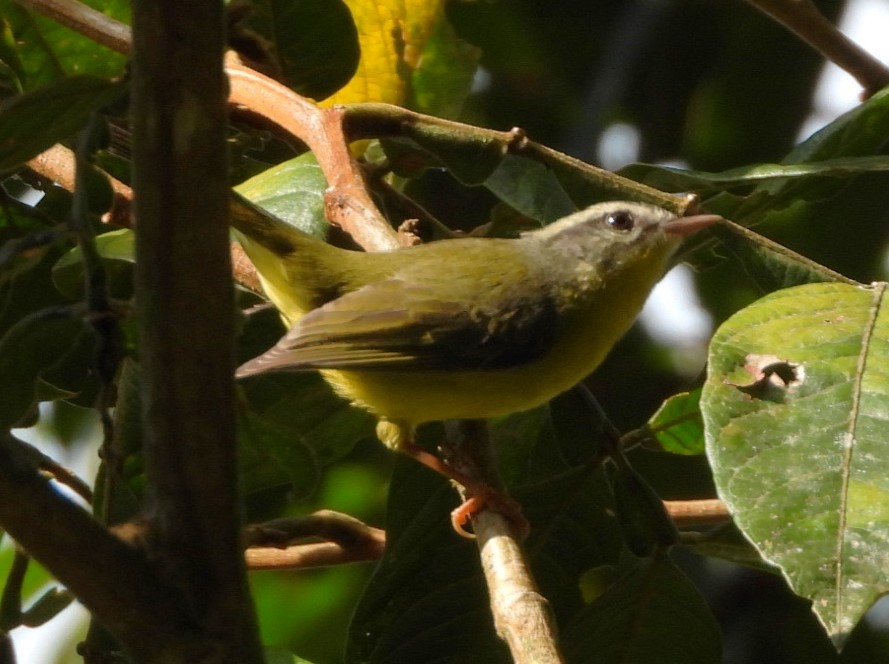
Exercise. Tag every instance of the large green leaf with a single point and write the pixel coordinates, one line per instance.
(32, 122)
(652, 614)
(796, 412)
(426, 601)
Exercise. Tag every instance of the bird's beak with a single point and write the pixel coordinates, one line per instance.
(685, 226)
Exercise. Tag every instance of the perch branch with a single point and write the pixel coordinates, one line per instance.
(522, 615)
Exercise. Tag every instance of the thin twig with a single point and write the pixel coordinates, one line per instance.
(87, 21)
(695, 513)
(347, 201)
(66, 476)
(803, 19)
(347, 540)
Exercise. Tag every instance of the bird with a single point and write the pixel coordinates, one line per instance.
(467, 328)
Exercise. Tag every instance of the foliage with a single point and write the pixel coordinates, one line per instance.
(792, 410)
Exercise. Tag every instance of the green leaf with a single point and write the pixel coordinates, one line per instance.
(677, 424)
(470, 161)
(29, 349)
(446, 69)
(428, 571)
(303, 403)
(670, 178)
(726, 542)
(795, 409)
(426, 601)
(309, 45)
(48, 51)
(641, 514)
(293, 192)
(861, 131)
(653, 613)
(768, 264)
(32, 122)
(117, 248)
(531, 188)
(274, 455)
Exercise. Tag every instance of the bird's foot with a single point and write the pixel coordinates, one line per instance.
(485, 497)
(481, 495)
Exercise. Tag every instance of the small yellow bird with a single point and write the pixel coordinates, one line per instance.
(460, 329)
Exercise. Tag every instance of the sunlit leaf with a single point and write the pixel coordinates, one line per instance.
(402, 46)
(796, 410)
(293, 192)
(670, 178)
(677, 424)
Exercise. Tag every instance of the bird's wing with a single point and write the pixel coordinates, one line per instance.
(396, 325)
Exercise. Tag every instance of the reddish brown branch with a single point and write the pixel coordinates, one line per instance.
(57, 164)
(347, 201)
(348, 540)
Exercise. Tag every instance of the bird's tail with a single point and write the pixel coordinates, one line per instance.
(291, 264)
(259, 227)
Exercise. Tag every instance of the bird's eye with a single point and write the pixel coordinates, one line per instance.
(620, 221)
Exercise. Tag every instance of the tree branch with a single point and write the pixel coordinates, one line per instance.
(185, 303)
(113, 580)
(57, 164)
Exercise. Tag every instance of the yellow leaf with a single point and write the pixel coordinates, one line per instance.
(392, 35)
